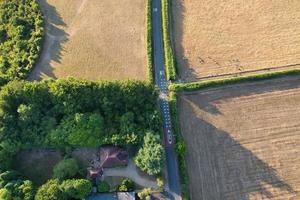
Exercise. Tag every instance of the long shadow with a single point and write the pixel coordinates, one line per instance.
(206, 98)
(220, 168)
(55, 37)
(185, 70)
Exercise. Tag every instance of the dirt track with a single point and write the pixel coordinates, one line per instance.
(223, 38)
(243, 141)
(93, 39)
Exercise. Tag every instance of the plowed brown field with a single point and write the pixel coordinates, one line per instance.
(222, 38)
(243, 141)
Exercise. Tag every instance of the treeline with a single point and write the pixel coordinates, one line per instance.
(73, 113)
(21, 34)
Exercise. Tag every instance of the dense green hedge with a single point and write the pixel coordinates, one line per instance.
(21, 35)
(212, 83)
(169, 56)
(150, 42)
(69, 112)
(180, 146)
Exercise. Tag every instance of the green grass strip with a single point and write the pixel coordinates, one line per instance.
(220, 82)
(169, 56)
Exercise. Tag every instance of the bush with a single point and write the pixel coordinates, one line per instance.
(5, 194)
(126, 185)
(50, 191)
(21, 33)
(145, 194)
(65, 169)
(103, 186)
(76, 188)
(150, 157)
(160, 184)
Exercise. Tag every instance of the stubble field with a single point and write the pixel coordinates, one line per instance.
(93, 39)
(243, 141)
(221, 38)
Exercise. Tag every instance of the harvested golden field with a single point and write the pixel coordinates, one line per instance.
(221, 38)
(93, 39)
(243, 141)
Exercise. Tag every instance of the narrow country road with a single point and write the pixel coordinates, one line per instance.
(174, 191)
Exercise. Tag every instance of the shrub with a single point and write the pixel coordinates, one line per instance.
(50, 191)
(160, 184)
(5, 194)
(149, 42)
(126, 185)
(103, 186)
(145, 194)
(76, 188)
(65, 169)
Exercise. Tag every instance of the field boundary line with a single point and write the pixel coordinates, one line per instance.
(168, 51)
(180, 146)
(193, 86)
(149, 39)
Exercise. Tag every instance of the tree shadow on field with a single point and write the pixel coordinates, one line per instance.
(52, 49)
(207, 99)
(220, 168)
(186, 73)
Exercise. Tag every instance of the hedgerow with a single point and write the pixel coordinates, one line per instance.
(220, 82)
(149, 42)
(21, 35)
(169, 56)
(179, 146)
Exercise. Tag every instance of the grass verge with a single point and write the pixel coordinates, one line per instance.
(180, 146)
(169, 56)
(149, 38)
(213, 83)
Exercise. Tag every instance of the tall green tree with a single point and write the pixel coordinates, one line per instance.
(76, 188)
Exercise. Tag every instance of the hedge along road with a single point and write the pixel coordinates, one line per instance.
(174, 191)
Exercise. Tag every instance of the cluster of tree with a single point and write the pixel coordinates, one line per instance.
(150, 158)
(68, 189)
(75, 113)
(14, 187)
(21, 35)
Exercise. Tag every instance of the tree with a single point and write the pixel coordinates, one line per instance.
(150, 156)
(77, 188)
(65, 169)
(103, 186)
(126, 185)
(50, 191)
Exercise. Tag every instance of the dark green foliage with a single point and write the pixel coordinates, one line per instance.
(150, 157)
(227, 81)
(126, 185)
(77, 113)
(103, 187)
(12, 186)
(169, 57)
(180, 146)
(149, 42)
(76, 188)
(50, 191)
(65, 169)
(21, 32)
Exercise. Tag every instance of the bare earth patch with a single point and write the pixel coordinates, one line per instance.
(243, 141)
(221, 38)
(93, 39)
(37, 165)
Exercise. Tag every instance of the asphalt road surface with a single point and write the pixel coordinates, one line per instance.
(161, 81)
